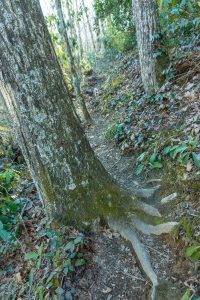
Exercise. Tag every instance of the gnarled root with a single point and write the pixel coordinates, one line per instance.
(148, 209)
(129, 234)
(151, 229)
(147, 193)
(127, 230)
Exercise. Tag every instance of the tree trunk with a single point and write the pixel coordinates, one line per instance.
(73, 32)
(85, 10)
(75, 78)
(147, 31)
(73, 37)
(73, 183)
(98, 33)
(79, 31)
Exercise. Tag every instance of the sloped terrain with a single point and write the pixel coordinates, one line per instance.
(130, 131)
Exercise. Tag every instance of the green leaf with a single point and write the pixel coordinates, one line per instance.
(187, 295)
(51, 276)
(31, 255)
(172, 154)
(11, 205)
(78, 240)
(156, 165)
(139, 169)
(166, 150)
(181, 148)
(193, 252)
(40, 292)
(65, 271)
(67, 262)
(196, 158)
(8, 177)
(69, 246)
(1, 225)
(186, 159)
(4, 235)
(80, 262)
(190, 250)
(141, 157)
(183, 157)
(71, 268)
(30, 281)
(73, 255)
(153, 156)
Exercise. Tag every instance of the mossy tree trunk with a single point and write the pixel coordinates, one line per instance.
(74, 74)
(72, 182)
(152, 60)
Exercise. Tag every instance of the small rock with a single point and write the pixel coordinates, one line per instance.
(18, 277)
(107, 290)
(189, 166)
(132, 137)
(169, 198)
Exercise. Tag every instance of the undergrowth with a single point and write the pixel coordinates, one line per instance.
(38, 260)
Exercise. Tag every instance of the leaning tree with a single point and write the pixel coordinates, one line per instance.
(151, 55)
(71, 181)
(72, 65)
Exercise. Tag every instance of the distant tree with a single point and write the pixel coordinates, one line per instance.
(72, 182)
(80, 42)
(98, 32)
(85, 10)
(75, 78)
(152, 60)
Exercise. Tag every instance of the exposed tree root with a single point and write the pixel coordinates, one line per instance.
(151, 229)
(148, 209)
(129, 234)
(127, 230)
(147, 193)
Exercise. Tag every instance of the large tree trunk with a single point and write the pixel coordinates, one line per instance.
(72, 182)
(147, 30)
(75, 78)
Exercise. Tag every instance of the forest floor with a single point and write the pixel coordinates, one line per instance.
(27, 269)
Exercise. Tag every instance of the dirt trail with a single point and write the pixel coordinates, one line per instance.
(114, 272)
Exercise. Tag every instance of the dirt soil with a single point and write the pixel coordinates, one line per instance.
(114, 272)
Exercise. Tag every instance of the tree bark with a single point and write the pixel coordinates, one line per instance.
(147, 29)
(73, 183)
(79, 30)
(73, 31)
(98, 33)
(75, 78)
